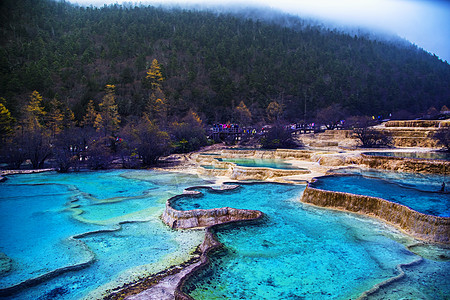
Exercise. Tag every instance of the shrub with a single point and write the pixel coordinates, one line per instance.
(278, 137)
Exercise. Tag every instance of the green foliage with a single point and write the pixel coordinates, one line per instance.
(33, 116)
(145, 139)
(243, 114)
(107, 121)
(154, 78)
(206, 60)
(89, 119)
(274, 111)
(189, 134)
(6, 122)
(157, 106)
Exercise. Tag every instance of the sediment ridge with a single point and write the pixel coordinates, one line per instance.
(418, 123)
(404, 164)
(196, 218)
(421, 226)
(16, 288)
(245, 173)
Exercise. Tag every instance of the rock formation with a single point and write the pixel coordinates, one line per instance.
(421, 226)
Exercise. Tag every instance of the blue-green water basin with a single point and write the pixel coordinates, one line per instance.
(413, 155)
(420, 192)
(431, 203)
(210, 167)
(300, 252)
(321, 254)
(114, 217)
(260, 163)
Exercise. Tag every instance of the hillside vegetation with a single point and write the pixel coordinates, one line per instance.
(210, 62)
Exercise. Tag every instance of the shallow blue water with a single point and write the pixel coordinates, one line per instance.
(422, 182)
(299, 252)
(260, 163)
(295, 250)
(415, 155)
(40, 212)
(210, 167)
(409, 191)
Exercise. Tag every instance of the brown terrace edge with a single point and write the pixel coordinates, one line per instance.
(421, 226)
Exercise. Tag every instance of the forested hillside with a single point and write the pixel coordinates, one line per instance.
(209, 63)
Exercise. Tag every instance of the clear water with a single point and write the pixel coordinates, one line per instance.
(418, 192)
(415, 155)
(300, 252)
(421, 182)
(260, 163)
(210, 167)
(39, 213)
(295, 251)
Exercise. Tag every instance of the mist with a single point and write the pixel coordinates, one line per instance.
(425, 24)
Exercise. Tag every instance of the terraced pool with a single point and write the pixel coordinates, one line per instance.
(260, 163)
(70, 235)
(88, 233)
(428, 200)
(415, 155)
(300, 252)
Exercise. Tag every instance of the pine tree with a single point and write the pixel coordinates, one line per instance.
(6, 121)
(68, 118)
(243, 114)
(110, 119)
(54, 117)
(274, 111)
(90, 116)
(154, 77)
(34, 112)
(157, 107)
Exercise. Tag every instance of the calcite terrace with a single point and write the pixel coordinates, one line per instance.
(422, 226)
(205, 217)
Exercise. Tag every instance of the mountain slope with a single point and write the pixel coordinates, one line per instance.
(210, 62)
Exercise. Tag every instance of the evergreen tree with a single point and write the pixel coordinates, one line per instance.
(89, 119)
(6, 122)
(274, 111)
(243, 114)
(154, 78)
(34, 112)
(157, 107)
(54, 117)
(149, 142)
(188, 135)
(109, 119)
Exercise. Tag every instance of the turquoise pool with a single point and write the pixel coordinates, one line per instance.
(414, 155)
(421, 182)
(300, 252)
(419, 192)
(108, 213)
(295, 251)
(210, 167)
(260, 163)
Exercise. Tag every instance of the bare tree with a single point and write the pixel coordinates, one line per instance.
(37, 147)
(443, 137)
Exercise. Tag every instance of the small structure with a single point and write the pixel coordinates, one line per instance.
(445, 110)
(224, 131)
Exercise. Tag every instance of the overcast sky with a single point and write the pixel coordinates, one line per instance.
(425, 23)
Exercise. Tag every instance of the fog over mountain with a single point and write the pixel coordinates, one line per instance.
(423, 23)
